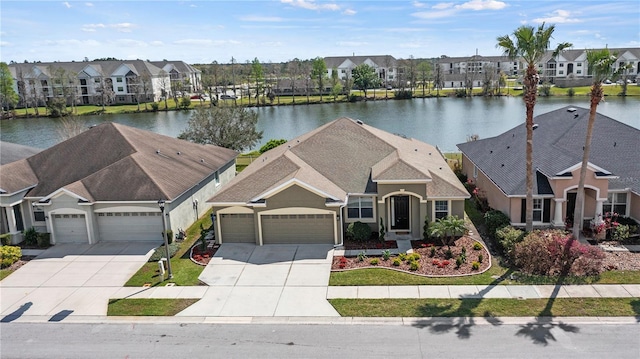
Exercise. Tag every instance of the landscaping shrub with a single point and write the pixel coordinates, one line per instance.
(621, 232)
(475, 265)
(459, 262)
(374, 262)
(359, 231)
(448, 254)
(495, 220)
(382, 231)
(185, 102)
(30, 236)
(477, 246)
(507, 238)
(403, 94)
(155, 106)
(425, 229)
(402, 256)
(571, 92)
(413, 266)
(362, 256)
(9, 255)
(44, 240)
(432, 253)
(160, 252)
(396, 262)
(480, 258)
(553, 252)
(414, 257)
(5, 239)
(386, 254)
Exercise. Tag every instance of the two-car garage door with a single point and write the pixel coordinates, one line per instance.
(130, 226)
(298, 228)
(278, 229)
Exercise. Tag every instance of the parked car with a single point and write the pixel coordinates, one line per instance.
(227, 97)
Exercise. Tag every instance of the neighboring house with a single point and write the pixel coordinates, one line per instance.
(98, 82)
(104, 185)
(476, 64)
(386, 66)
(311, 188)
(497, 166)
(11, 152)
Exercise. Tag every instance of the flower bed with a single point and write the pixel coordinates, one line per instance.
(201, 257)
(369, 244)
(431, 260)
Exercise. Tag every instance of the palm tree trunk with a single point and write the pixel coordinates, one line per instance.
(531, 85)
(596, 96)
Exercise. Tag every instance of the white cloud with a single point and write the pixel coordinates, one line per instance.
(558, 17)
(4, 43)
(311, 5)
(68, 42)
(195, 42)
(418, 4)
(92, 27)
(129, 43)
(156, 43)
(349, 12)
(88, 4)
(257, 18)
(435, 14)
(478, 5)
(442, 5)
(66, 3)
(122, 27)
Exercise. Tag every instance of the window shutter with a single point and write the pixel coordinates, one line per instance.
(546, 210)
(523, 214)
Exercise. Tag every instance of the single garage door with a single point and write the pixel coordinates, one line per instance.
(297, 228)
(70, 228)
(130, 226)
(237, 228)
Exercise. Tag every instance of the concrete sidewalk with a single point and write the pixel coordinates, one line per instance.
(487, 291)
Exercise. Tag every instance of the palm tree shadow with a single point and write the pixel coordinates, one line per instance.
(635, 305)
(446, 318)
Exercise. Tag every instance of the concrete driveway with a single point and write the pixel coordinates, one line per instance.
(71, 279)
(271, 280)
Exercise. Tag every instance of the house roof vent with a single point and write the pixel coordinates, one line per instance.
(359, 122)
(535, 125)
(572, 109)
(158, 151)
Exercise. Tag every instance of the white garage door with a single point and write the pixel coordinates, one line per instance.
(130, 226)
(237, 228)
(70, 228)
(298, 228)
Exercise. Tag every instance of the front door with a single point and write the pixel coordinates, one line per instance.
(400, 213)
(571, 204)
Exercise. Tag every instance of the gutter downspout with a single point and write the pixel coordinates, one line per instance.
(346, 201)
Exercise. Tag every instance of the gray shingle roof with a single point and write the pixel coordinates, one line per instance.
(558, 143)
(113, 162)
(11, 152)
(344, 157)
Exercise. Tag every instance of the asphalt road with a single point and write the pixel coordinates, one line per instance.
(453, 338)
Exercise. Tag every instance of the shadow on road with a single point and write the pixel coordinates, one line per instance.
(17, 313)
(635, 305)
(60, 316)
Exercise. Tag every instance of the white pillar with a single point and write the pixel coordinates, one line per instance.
(11, 219)
(557, 215)
(599, 203)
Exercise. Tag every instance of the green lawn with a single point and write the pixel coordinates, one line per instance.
(5, 272)
(147, 307)
(561, 307)
(185, 272)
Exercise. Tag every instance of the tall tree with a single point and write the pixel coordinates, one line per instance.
(8, 96)
(364, 76)
(258, 76)
(438, 79)
(319, 73)
(424, 71)
(601, 67)
(230, 127)
(336, 86)
(530, 44)
(164, 83)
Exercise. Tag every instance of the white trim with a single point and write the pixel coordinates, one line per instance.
(433, 208)
(289, 183)
(589, 165)
(57, 193)
(123, 209)
(566, 190)
(235, 209)
(5, 194)
(225, 204)
(401, 192)
(391, 213)
(374, 211)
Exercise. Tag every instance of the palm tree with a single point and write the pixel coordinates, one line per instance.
(438, 229)
(601, 67)
(530, 44)
(455, 227)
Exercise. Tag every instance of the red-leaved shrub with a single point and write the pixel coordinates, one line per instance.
(553, 252)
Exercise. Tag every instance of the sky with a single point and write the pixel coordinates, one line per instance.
(280, 30)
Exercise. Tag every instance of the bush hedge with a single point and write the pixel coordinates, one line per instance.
(9, 255)
(507, 238)
(359, 231)
(161, 252)
(495, 220)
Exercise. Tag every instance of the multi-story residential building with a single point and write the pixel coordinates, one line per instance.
(386, 66)
(476, 64)
(101, 82)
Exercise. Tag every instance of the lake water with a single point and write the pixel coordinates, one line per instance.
(444, 122)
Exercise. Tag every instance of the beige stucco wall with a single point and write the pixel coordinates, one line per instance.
(560, 185)
(634, 209)
(457, 208)
(497, 199)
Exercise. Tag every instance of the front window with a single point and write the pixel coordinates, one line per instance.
(360, 207)
(38, 215)
(616, 202)
(442, 209)
(537, 209)
(119, 79)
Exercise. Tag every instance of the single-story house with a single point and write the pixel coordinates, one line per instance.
(105, 183)
(497, 166)
(311, 188)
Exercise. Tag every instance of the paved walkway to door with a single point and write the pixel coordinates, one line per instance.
(270, 280)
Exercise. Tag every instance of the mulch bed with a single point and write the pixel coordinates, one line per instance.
(436, 265)
(203, 257)
(350, 244)
(22, 261)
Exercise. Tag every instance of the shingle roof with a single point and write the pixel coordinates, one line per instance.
(342, 157)
(380, 60)
(113, 162)
(11, 152)
(558, 143)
